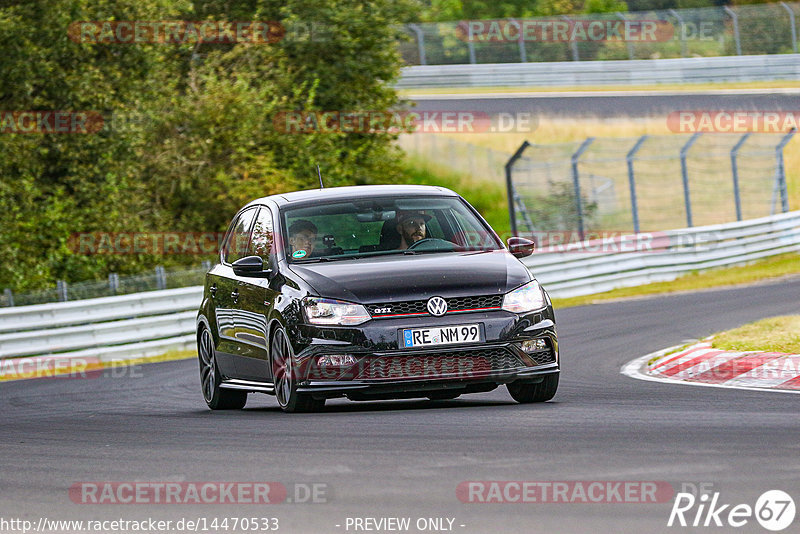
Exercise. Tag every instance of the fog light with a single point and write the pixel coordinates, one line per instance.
(336, 360)
(534, 345)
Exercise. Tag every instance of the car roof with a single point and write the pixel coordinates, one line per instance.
(312, 196)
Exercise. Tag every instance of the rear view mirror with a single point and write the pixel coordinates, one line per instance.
(250, 266)
(520, 247)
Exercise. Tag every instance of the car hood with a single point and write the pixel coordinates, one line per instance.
(398, 278)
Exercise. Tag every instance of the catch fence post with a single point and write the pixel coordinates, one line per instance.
(628, 42)
(632, 181)
(735, 171)
(113, 283)
(420, 43)
(794, 28)
(781, 169)
(736, 36)
(510, 185)
(576, 184)
(61, 289)
(572, 44)
(685, 176)
(161, 277)
(684, 51)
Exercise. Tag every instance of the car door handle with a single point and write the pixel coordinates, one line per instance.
(213, 291)
(235, 296)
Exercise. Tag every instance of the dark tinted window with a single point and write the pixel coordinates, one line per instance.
(367, 227)
(261, 240)
(235, 246)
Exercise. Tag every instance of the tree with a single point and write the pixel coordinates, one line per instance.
(201, 139)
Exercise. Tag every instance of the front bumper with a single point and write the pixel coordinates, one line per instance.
(385, 370)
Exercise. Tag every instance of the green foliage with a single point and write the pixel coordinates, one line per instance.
(190, 131)
(449, 10)
(604, 6)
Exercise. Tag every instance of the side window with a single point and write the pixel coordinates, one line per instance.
(434, 229)
(469, 236)
(262, 241)
(236, 245)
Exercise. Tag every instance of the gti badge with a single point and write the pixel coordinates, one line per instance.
(437, 306)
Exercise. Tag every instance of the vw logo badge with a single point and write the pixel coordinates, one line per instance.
(437, 306)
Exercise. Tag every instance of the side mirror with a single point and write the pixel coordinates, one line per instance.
(520, 247)
(250, 266)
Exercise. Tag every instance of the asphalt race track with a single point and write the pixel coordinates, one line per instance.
(613, 104)
(406, 458)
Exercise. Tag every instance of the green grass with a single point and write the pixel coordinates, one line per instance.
(488, 198)
(778, 266)
(775, 334)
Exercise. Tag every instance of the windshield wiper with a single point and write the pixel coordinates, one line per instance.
(481, 251)
(313, 260)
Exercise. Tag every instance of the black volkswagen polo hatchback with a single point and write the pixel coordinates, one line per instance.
(371, 292)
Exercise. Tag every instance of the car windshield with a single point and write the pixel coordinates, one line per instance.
(357, 228)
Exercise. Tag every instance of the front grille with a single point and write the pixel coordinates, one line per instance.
(442, 364)
(420, 307)
(544, 357)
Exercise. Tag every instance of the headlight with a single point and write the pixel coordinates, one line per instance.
(334, 312)
(525, 299)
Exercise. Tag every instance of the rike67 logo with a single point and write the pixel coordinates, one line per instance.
(774, 510)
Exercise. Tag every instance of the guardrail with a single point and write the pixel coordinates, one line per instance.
(618, 72)
(105, 329)
(76, 312)
(661, 256)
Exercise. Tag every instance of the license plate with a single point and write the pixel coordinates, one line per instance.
(441, 335)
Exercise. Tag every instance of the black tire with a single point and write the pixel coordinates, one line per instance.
(538, 392)
(283, 374)
(216, 398)
(444, 395)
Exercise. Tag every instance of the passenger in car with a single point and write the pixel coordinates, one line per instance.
(302, 238)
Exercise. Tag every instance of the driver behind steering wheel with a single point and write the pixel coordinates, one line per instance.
(411, 227)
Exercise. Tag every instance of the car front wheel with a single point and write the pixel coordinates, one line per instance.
(284, 373)
(534, 392)
(216, 397)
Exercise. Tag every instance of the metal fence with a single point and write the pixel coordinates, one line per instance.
(158, 279)
(646, 183)
(624, 261)
(450, 154)
(702, 32)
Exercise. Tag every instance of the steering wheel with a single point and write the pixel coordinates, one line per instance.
(416, 244)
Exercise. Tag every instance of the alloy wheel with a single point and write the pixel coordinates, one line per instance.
(207, 365)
